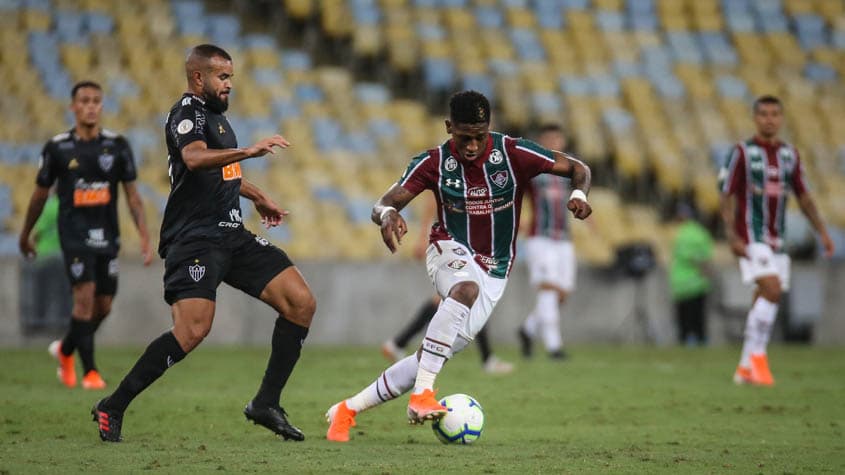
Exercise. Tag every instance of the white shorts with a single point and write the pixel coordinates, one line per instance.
(551, 261)
(761, 262)
(450, 263)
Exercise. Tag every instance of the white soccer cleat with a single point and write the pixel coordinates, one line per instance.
(494, 365)
(392, 352)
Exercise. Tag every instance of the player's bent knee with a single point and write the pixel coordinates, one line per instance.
(465, 293)
(302, 308)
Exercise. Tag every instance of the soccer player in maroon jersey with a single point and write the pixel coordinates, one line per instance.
(478, 178)
(550, 254)
(86, 163)
(755, 182)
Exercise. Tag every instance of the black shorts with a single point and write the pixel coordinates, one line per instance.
(102, 269)
(194, 268)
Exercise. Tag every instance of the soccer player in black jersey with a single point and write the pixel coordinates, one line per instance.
(204, 243)
(86, 163)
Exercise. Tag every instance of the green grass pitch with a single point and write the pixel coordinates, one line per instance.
(606, 410)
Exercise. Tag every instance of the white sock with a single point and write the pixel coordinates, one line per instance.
(437, 344)
(758, 329)
(548, 311)
(392, 383)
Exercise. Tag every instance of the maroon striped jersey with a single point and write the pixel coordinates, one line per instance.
(479, 201)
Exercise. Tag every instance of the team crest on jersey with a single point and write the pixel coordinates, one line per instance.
(106, 160)
(496, 157)
(73, 164)
(451, 164)
(76, 269)
(196, 271)
(220, 129)
(500, 178)
(459, 251)
(457, 264)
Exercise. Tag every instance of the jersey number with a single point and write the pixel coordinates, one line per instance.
(99, 197)
(231, 171)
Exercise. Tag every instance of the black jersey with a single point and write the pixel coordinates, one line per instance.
(87, 173)
(202, 203)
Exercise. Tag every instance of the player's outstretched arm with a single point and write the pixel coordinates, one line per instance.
(33, 211)
(808, 207)
(579, 173)
(136, 208)
(271, 213)
(386, 215)
(197, 155)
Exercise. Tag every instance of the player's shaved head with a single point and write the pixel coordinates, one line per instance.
(209, 70)
(199, 58)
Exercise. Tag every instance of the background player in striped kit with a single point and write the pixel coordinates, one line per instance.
(549, 254)
(755, 182)
(478, 178)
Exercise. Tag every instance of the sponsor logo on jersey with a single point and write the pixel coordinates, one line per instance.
(73, 164)
(96, 238)
(235, 219)
(106, 160)
(500, 178)
(96, 193)
(451, 164)
(196, 271)
(459, 251)
(496, 157)
(231, 171)
(186, 101)
(114, 268)
(457, 264)
(185, 126)
(76, 268)
(453, 182)
(262, 241)
(488, 261)
(477, 191)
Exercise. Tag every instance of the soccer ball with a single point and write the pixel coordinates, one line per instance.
(463, 423)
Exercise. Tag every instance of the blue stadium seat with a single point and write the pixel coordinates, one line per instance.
(430, 32)
(482, 83)
(731, 87)
(267, 77)
(438, 74)
(549, 15)
(489, 17)
(383, 128)
(365, 12)
(819, 72)
(328, 134)
(359, 210)
(224, 29)
(359, 142)
(372, 93)
(527, 45)
(99, 23)
(308, 92)
(610, 21)
(295, 60)
(285, 109)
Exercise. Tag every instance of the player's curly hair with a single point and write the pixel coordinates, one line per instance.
(469, 107)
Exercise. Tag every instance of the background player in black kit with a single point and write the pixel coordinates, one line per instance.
(87, 162)
(203, 242)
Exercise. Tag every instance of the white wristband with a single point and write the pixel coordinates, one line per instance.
(384, 212)
(578, 195)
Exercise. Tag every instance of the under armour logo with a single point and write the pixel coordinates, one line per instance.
(455, 183)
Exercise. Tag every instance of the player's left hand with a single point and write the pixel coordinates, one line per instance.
(271, 213)
(827, 242)
(146, 252)
(580, 208)
(393, 228)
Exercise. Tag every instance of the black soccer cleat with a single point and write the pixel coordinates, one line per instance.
(275, 419)
(109, 422)
(524, 342)
(558, 355)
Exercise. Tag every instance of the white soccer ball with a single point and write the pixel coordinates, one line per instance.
(463, 423)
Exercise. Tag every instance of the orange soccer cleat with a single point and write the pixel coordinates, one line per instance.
(340, 419)
(66, 370)
(742, 375)
(93, 380)
(423, 407)
(760, 373)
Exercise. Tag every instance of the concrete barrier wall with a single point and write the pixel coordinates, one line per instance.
(365, 303)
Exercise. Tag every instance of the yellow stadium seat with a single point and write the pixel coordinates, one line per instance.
(299, 9)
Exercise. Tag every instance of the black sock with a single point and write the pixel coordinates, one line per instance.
(421, 319)
(161, 354)
(288, 338)
(85, 345)
(71, 338)
(483, 345)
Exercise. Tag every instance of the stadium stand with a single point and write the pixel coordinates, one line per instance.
(653, 93)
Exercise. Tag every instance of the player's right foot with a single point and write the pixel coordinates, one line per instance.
(93, 380)
(494, 365)
(524, 342)
(66, 370)
(424, 407)
(742, 375)
(558, 355)
(108, 421)
(392, 352)
(340, 419)
(760, 373)
(275, 419)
